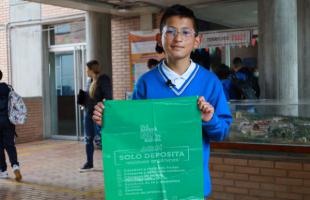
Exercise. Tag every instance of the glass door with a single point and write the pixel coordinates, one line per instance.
(64, 71)
(67, 76)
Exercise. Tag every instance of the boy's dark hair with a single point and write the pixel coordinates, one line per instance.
(181, 11)
(92, 63)
(1, 75)
(237, 61)
(159, 49)
(152, 62)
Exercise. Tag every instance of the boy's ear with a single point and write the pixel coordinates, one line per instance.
(158, 39)
(197, 41)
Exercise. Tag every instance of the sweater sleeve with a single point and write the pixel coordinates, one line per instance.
(139, 91)
(218, 127)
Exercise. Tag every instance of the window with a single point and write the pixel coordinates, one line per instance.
(68, 33)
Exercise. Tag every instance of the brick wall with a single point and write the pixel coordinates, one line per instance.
(4, 18)
(120, 54)
(4, 14)
(239, 177)
(49, 11)
(157, 18)
(32, 130)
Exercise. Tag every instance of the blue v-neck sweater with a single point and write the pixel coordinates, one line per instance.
(153, 85)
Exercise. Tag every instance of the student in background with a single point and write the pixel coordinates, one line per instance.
(244, 83)
(100, 88)
(7, 135)
(223, 73)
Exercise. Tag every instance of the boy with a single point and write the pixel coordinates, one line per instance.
(178, 76)
(7, 135)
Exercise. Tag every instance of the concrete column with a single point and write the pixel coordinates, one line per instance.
(26, 64)
(98, 37)
(304, 48)
(278, 57)
(304, 56)
(146, 22)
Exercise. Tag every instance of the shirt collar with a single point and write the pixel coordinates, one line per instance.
(172, 75)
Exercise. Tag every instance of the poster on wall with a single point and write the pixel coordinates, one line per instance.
(149, 157)
(231, 38)
(142, 48)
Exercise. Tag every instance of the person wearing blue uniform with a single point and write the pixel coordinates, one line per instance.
(243, 83)
(178, 76)
(223, 73)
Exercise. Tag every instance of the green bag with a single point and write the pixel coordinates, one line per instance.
(152, 150)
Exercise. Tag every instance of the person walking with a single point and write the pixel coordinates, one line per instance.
(7, 135)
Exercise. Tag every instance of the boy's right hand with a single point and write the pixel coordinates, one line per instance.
(97, 114)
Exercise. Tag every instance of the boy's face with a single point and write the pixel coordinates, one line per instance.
(178, 38)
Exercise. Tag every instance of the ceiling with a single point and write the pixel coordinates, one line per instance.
(230, 13)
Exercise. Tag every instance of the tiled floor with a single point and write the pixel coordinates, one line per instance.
(50, 171)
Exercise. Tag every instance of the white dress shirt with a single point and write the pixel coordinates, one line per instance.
(176, 79)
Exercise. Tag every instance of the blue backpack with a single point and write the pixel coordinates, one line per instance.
(244, 89)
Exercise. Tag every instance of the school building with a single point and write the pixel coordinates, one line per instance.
(44, 46)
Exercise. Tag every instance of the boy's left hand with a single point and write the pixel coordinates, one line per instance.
(206, 109)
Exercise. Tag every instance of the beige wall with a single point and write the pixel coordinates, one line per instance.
(49, 11)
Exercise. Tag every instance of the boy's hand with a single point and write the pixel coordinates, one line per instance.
(97, 114)
(206, 109)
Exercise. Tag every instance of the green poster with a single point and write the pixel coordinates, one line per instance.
(152, 150)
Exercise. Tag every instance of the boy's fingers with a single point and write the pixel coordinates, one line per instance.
(205, 108)
(201, 106)
(201, 99)
(208, 110)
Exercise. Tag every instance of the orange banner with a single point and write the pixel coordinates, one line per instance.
(142, 48)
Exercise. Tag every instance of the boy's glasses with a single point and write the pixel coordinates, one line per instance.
(171, 32)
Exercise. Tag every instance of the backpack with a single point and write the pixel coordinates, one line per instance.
(16, 108)
(245, 89)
